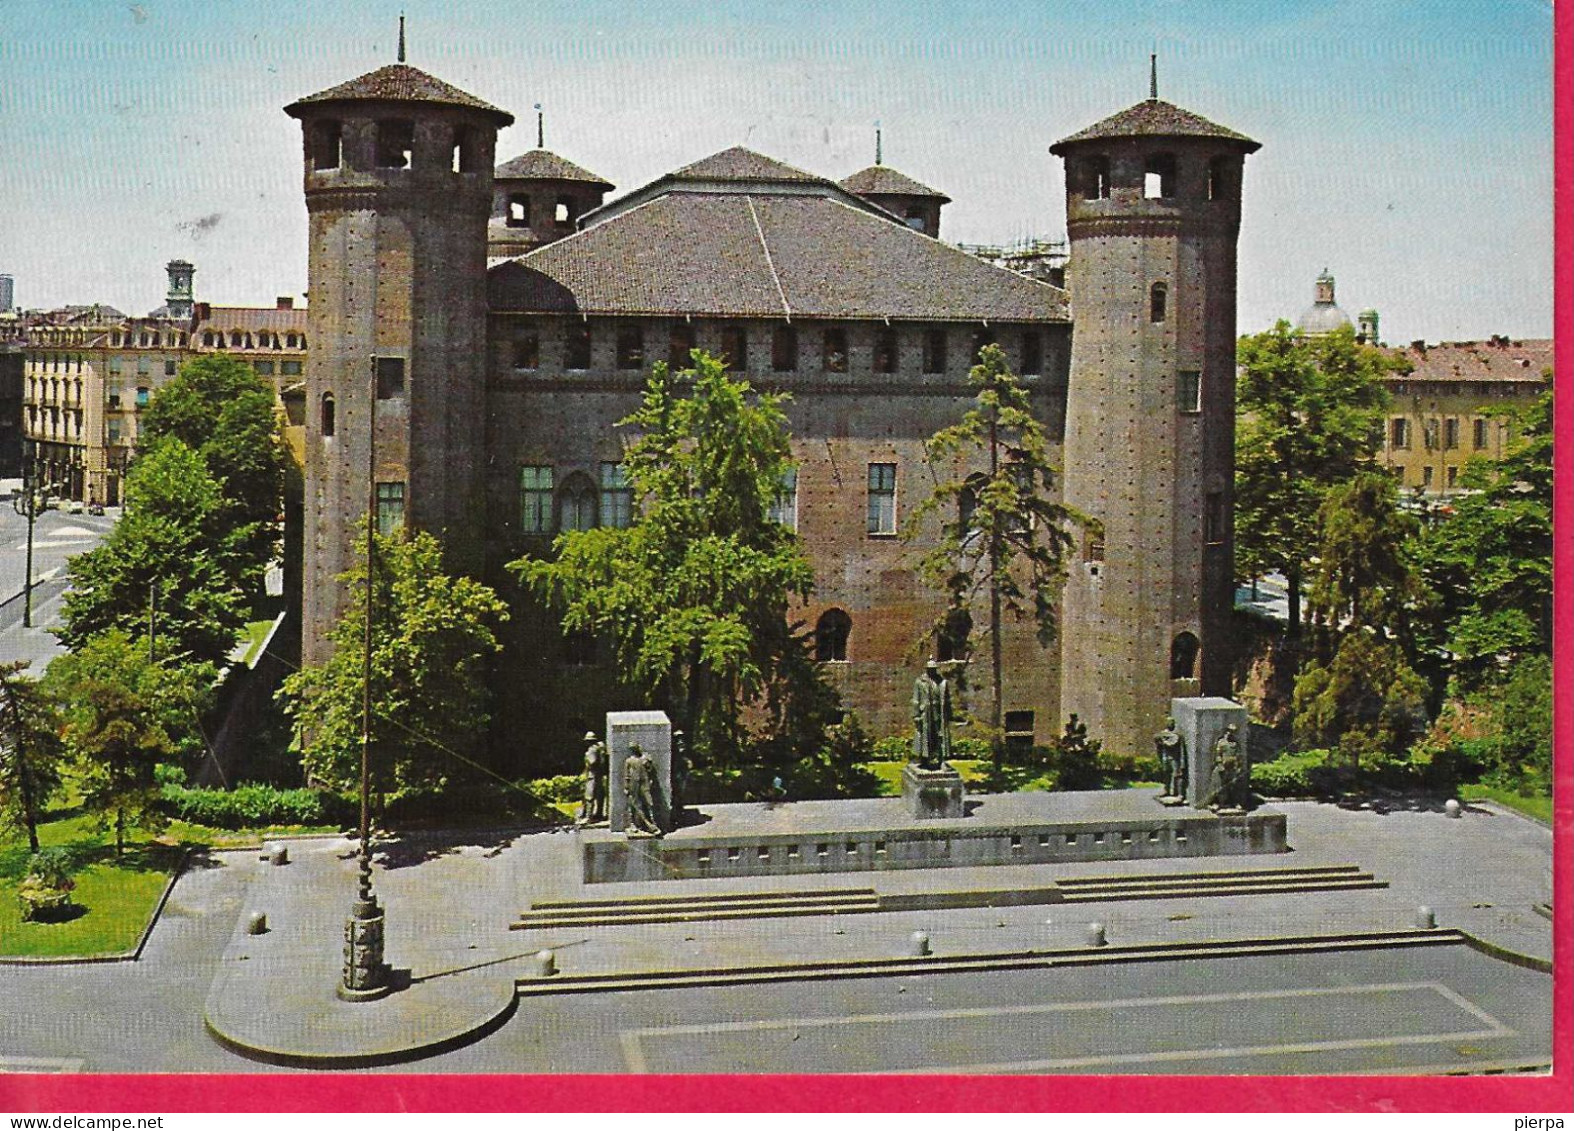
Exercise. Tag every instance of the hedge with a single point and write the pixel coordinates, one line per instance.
(250, 806)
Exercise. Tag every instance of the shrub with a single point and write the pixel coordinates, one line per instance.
(251, 806)
(1302, 774)
(893, 748)
(562, 789)
(45, 890)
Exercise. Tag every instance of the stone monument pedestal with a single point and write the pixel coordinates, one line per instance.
(652, 732)
(932, 794)
(1201, 722)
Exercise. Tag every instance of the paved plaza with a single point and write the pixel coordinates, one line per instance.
(1446, 1007)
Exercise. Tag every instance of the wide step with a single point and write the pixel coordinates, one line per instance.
(688, 909)
(1254, 882)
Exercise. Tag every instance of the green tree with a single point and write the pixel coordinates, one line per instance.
(221, 409)
(1364, 575)
(1490, 562)
(165, 571)
(1309, 415)
(1004, 538)
(31, 753)
(696, 591)
(1366, 702)
(432, 634)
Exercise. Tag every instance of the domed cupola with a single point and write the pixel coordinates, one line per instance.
(1324, 315)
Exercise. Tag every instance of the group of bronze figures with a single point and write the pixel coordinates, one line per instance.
(1228, 786)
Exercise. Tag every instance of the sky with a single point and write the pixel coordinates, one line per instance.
(1407, 144)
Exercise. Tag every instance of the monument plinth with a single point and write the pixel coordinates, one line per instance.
(932, 794)
(651, 731)
(1201, 722)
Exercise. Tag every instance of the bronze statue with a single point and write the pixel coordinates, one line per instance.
(1231, 771)
(639, 787)
(931, 718)
(594, 806)
(1171, 749)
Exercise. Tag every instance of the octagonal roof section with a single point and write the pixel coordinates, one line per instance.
(399, 82)
(882, 180)
(544, 165)
(1156, 118)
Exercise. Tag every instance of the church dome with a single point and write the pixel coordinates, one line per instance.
(1324, 315)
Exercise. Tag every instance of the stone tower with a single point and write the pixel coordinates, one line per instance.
(398, 180)
(178, 301)
(1153, 207)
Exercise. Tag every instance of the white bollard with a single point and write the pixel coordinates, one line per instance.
(1452, 808)
(1097, 936)
(257, 923)
(1426, 918)
(918, 944)
(543, 964)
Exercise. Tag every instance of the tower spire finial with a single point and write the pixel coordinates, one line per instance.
(401, 37)
(879, 150)
(1153, 76)
(541, 128)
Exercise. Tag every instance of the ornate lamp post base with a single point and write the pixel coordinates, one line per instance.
(365, 971)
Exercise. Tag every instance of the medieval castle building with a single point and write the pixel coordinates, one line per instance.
(497, 321)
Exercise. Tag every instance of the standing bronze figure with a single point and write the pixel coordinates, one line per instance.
(639, 784)
(931, 718)
(1231, 771)
(1171, 748)
(594, 806)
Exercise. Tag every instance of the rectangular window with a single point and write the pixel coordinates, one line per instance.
(1453, 477)
(535, 500)
(735, 347)
(680, 344)
(1092, 545)
(882, 498)
(1188, 392)
(1479, 433)
(169, 368)
(144, 367)
(395, 142)
(784, 509)
(835, 350)
(518, 210)
(1430, 435)
(263, 368)
(1032, 353)
(1451, 432)
(527, 350)
(114, 364)
(390, 378)
(1426, 476)
(631, 347)
(114, 431)
(617, 497)
(934, 351)
(885, 356)
(1214, 518)
(142, 397)
(1399, 432)
(576, 346)
(390, 507)
(290, 368)
(784, 349)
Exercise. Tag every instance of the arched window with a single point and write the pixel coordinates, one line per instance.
(1183, 657)
(830, 635)
(327, 418)
(395, 143)
(1158, 302)
(576, 504)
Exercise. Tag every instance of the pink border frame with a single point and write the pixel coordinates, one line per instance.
(297, 1092)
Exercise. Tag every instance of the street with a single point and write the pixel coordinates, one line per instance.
(56, 537)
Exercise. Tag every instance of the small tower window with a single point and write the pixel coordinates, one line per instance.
(1158, 180)
(1032, 353)
(916, 218)
(1095, 178)
(395, 143)
(1158, 302)
(327, 144)
(1188, 391)
(390, 378)
(885, 356)
(830, 636)
(390, 507)
(934, 351)
(327, 414)
(518, 210)
(680, 344)
(576, 347)
(1183, 656)
(631, 348)
(1219, 178)
(564, 213)
(462, 151)
(735, 347)
(527, 350)
(835, 350)
(1214, 519)
(784, 349)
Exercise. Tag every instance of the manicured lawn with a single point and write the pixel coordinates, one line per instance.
(1538, 806)
(251, 640)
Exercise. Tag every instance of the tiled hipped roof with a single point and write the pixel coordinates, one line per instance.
(737, 254)
(400, 82)
(882, 180)
(1155, 118)
(544, 165)
(1497, 359)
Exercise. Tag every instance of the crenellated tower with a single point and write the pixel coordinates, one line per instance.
(1153, 208)
(398, 183)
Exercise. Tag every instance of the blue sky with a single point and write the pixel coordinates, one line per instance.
(1407, 144)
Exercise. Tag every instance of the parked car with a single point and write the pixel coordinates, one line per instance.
(72, 506)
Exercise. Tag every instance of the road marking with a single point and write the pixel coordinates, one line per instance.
(633, 1049)
(40, 1064)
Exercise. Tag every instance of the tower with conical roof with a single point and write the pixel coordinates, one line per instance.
(1153, 198)
(537, 198)
(398, 184)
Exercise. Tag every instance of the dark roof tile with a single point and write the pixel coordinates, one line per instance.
(882, 180)
(1155, 118)
(740, 164)
(544, 165)
(400, 82)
